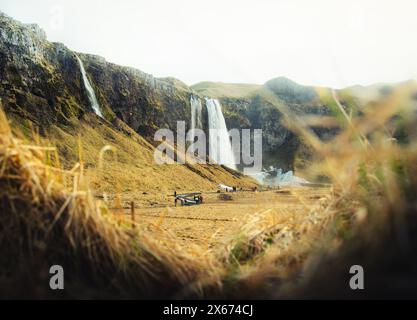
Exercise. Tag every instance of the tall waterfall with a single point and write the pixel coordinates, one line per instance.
(196, 108)
(220, 148)
(90, 91)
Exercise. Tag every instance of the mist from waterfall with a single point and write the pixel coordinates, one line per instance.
(276, 177)
(220, 147)
(90, 91)
(196, 108)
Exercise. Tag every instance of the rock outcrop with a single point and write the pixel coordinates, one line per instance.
(142, 101)
(41, 81)
(41, 86)
(263, 106)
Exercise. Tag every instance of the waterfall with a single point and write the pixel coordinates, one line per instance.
(220, 148)
(90, 91)
(196, 108)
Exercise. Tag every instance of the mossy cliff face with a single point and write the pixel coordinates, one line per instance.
(263, 107)
(41, 85)
(256, 113)
(41, 81)
(142, 101)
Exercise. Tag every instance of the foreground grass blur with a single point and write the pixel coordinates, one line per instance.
(49, 216)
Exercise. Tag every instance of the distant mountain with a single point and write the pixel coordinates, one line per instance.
(290, 91)
(221, 89)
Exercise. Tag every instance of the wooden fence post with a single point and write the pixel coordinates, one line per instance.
(132, 212)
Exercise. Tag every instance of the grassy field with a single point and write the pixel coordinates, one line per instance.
(288, 243)
(116, 159)
(215, 222)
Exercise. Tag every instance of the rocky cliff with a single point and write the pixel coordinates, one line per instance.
(41, 86)
(142, 101)
(41, 81)
(263, 107)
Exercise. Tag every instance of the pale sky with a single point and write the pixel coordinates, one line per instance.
(321, 42)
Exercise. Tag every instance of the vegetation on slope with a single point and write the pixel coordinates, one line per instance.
(118, 160)
(49, 216)
(222, 90)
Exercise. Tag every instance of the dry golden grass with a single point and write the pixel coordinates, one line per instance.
(57, 220)
(369, 218)
(215, 223)
(116, 162)
(46, 222)
(257, 245)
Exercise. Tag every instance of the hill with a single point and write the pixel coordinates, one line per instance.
(42, 92)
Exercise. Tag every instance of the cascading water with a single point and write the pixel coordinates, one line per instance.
(220, 148)
(196, 109)
(90, 91)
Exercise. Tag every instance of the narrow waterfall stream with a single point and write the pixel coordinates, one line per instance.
(196, 108)
(90, 91)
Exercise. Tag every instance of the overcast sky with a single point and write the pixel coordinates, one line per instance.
(321, 42)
